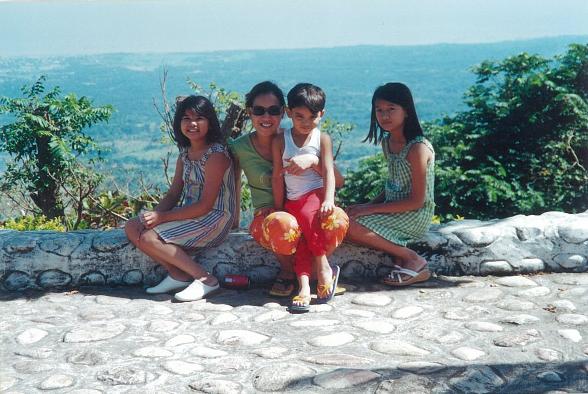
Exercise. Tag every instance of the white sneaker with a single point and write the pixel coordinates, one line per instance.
(196, 291)
(166, 285)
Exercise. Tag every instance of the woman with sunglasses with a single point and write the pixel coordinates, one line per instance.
(252, 153)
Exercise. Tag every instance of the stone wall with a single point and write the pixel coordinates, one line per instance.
(553, 241)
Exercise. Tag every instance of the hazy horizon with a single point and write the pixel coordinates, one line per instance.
(66, 28)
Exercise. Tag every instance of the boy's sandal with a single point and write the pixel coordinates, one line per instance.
(282, 287)
(326, 292)
(300, 304)
(395, 277)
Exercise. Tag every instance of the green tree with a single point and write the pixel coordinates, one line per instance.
(45, 142)
(364, 183)
(522, 144)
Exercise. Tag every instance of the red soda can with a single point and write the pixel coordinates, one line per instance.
(236, 281)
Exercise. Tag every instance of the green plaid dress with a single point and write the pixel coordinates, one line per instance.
(401, 228)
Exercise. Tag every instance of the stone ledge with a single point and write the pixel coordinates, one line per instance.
(552, 242)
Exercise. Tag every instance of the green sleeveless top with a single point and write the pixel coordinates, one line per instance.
(257, 170)
(399, 182)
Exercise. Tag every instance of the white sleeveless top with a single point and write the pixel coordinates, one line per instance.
(309, 180)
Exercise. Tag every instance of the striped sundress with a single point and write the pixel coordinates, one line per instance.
(401, 228)
(213, 227)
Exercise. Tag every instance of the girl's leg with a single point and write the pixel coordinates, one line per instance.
(134, 229)
(363, 236)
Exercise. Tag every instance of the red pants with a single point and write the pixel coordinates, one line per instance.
(312, 243)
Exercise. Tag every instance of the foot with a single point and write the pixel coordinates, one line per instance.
(198, 290)
(300, 303)
(404, 276)
(284, 285)
(166, 285)
(326, 291)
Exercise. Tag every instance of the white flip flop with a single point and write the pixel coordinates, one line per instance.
(166, 285)
(196, 291)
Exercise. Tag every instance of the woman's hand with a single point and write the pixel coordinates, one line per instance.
(263, 211)
(298, 164)
(355, 211)
(151, 219)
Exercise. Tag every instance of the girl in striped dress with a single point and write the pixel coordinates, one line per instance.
(403, 211)
(205, 185)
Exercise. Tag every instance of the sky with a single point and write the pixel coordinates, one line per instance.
(46, 28)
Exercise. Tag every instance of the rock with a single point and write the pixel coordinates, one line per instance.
(107, 300)
(17, 280)
(181, 367)
(86, 357)
(56, 382)
(132, 277)
(408, 383)
(240, 338)
(41, 353)
(342, 360)
(575, 232)
(372, 300)
(358, 313)
(204, 306)
(457, 314)
(379, 326)
(223, 318)
(31, 367)
(534, 292)
(93, 333)
(467, 353)
(520, 319)
(548, 355)
(335, 339)
(229, 365)
(571, 334)
(345, 378)
(421, 367)
(407, 312)
(477, 380)
(206, 352)
(496, 267)
(162, 325)
(479, 236)
(565, 305)
(549, 377)
(521, 339)
(7, 382)
(571, 318)
(515, 281)
(315, 323)
(484, 295)
(152, 352)
(271, 352)
(122, 376)
(215, 386)
(180, 340)
(30, 336)
(54, 278)
(271, 316)
(516, 305)
(484, 326)
(279, 377)
(397, 348)
(570, 260)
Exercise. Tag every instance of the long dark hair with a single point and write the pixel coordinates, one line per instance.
(204, 107)
(399, 94)
(264, 87)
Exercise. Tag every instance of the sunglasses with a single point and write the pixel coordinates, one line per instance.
(274, 110)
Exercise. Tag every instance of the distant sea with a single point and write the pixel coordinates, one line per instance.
(438, 75)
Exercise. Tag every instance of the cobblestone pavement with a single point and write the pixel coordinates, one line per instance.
(519, 334)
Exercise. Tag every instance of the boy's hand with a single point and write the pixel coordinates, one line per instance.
(298, 164)
(327, 208)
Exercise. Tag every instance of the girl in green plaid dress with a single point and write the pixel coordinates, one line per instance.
(403, 211)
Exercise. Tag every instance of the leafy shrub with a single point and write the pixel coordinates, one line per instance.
(32, 223)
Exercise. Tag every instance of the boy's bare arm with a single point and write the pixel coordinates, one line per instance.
(328, 173)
